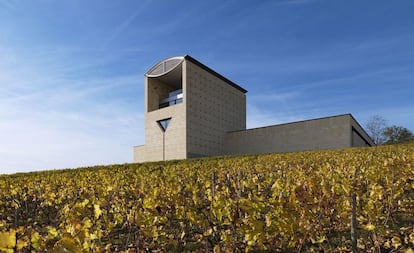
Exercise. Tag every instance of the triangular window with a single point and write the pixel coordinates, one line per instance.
(163, 123)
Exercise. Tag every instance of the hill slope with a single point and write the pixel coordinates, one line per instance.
(275, 202)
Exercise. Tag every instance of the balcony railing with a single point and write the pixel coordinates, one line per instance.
(174, 97)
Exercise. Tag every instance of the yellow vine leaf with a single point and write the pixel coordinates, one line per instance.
(396, 241)
(85, 202)
(87, 223)
(66, 244)
(411, 238)
(52, 232)
(208, 232)
(369, 227)
(97, 211)
(387, 244)
(22, 242)
(319, 240)
(8, 239)
(35, 241)
(268, 220)
(6, 250)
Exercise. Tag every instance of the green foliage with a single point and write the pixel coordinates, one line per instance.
(381, 133)
(276, 202)
(397, 135)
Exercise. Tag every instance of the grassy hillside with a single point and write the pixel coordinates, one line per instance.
(276, 202)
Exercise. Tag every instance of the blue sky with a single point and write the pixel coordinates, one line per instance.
(72, 72)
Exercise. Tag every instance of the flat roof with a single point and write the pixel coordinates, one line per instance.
(367, 138)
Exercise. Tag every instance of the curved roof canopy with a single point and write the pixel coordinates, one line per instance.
(165, 66)
(170, 69)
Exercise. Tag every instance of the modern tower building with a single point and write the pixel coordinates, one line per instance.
(193, 111)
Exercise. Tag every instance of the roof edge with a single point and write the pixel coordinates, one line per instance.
(155, 66)
(295, 122)
(211, 71)
(364, 131)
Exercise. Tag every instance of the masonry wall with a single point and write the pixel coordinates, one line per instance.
(326, 133)
(155, 91)
(214, 107)
(172, 143)
(211, 120)
(359, 137)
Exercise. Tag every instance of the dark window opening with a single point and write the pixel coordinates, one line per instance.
(174, 97)
(163, 123)
(165, 90)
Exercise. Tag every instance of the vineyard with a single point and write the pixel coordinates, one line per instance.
(293, 202)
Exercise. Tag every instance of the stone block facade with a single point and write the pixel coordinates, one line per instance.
(193, 111)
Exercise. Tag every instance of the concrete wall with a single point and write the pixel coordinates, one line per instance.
(159, 145)
(360, 138)
(174, 144)
(211, 121)
(174, 137)
(156, 90)
(325, 133)
(214, 107)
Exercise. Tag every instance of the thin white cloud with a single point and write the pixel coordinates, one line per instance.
(51, 120)
(274, 97)
(258, 117)
(126, 22)
(48, 146)
(271, 108)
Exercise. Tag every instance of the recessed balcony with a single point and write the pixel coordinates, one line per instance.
(174, 97)
(164, 83)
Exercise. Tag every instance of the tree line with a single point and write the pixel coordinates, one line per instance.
(383, 134)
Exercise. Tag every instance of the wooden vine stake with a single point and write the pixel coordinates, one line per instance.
(213, 184)
(354, 235)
